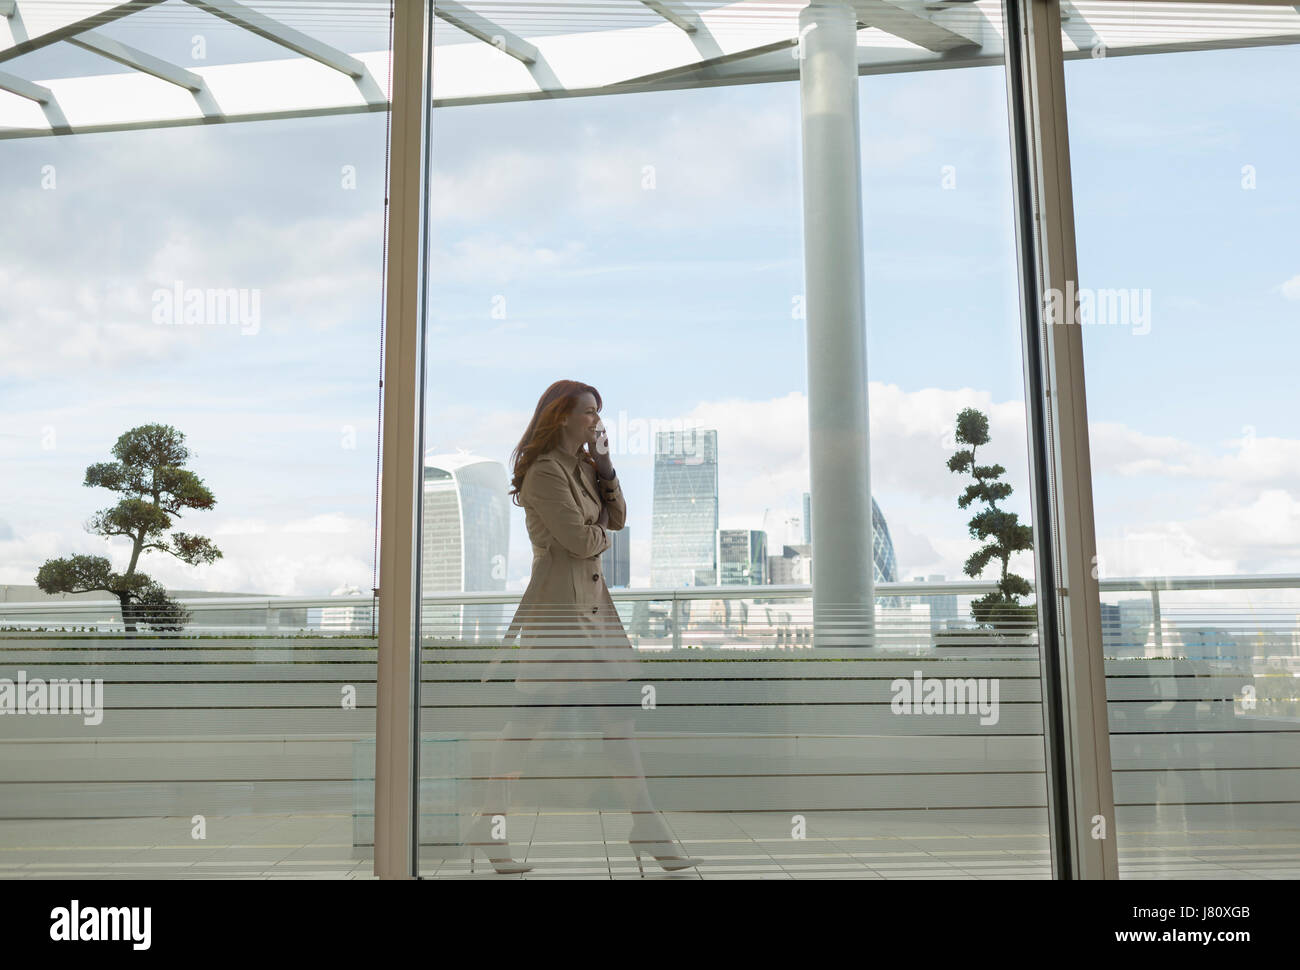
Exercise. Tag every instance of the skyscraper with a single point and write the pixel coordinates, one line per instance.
(465, 543)
(616, 561)
(742, 557)
(884, 565)
(793, 567)
(684, 518)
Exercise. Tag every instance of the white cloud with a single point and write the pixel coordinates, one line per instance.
(917, 554)
(659, 167)
(22, 555)
(306, 557)
(283, 562)
(328, 525)
(300, 570)
(489, 260)
(68, 308)
(239, 527)
(1118, 449)
(1251, 460)
(47, 326)
(1261, 536)
(1158, 549)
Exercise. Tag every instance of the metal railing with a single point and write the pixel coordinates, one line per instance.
(278, 616)
(669, 607)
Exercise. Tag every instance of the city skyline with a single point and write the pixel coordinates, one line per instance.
(467, 520)
(283, 422)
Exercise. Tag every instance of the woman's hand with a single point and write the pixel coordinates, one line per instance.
(598, 449)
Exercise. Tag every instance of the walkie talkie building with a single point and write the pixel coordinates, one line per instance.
(466, 542)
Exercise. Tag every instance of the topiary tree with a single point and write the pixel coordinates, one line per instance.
(1001, 531)
(156, 488)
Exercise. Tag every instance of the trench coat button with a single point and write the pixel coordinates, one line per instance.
(593, 609)
(595, 575)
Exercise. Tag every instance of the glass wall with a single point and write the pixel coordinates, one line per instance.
(1186, 192)
(652, 245)
(190, 347)
(192, 350)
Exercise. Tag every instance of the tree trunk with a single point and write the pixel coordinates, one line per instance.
(130, 612)
(137, 544)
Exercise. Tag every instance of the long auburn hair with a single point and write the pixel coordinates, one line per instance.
(543, 433)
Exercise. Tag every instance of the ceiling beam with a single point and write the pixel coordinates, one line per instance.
(683, 18)
(26, 89)
(712, 68)
(44, 98)
(923, 31)
(13, 20)
(690, 23)
(282, 34)
(106, 16)
(1076, 27)
(486, 30)
(650, 58)
(138, 59)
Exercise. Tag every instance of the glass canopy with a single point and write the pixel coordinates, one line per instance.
(98, 65)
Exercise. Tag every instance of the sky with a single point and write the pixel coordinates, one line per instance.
(651, 245)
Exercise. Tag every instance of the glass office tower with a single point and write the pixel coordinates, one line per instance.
(684, 520)
(466, 542)
(616, 561)
(742, 557)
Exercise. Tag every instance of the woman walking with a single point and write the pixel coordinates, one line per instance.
(573, 649)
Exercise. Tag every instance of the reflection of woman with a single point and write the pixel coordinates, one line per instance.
(573, 651)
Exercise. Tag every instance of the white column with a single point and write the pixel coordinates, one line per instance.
(402, 486)
(843, 583)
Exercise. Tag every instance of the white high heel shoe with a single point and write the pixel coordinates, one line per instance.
(651, 837)
(480, 841)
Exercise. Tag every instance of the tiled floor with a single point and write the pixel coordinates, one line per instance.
(592, 845)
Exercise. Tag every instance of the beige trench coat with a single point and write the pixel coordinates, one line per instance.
(566, 619)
